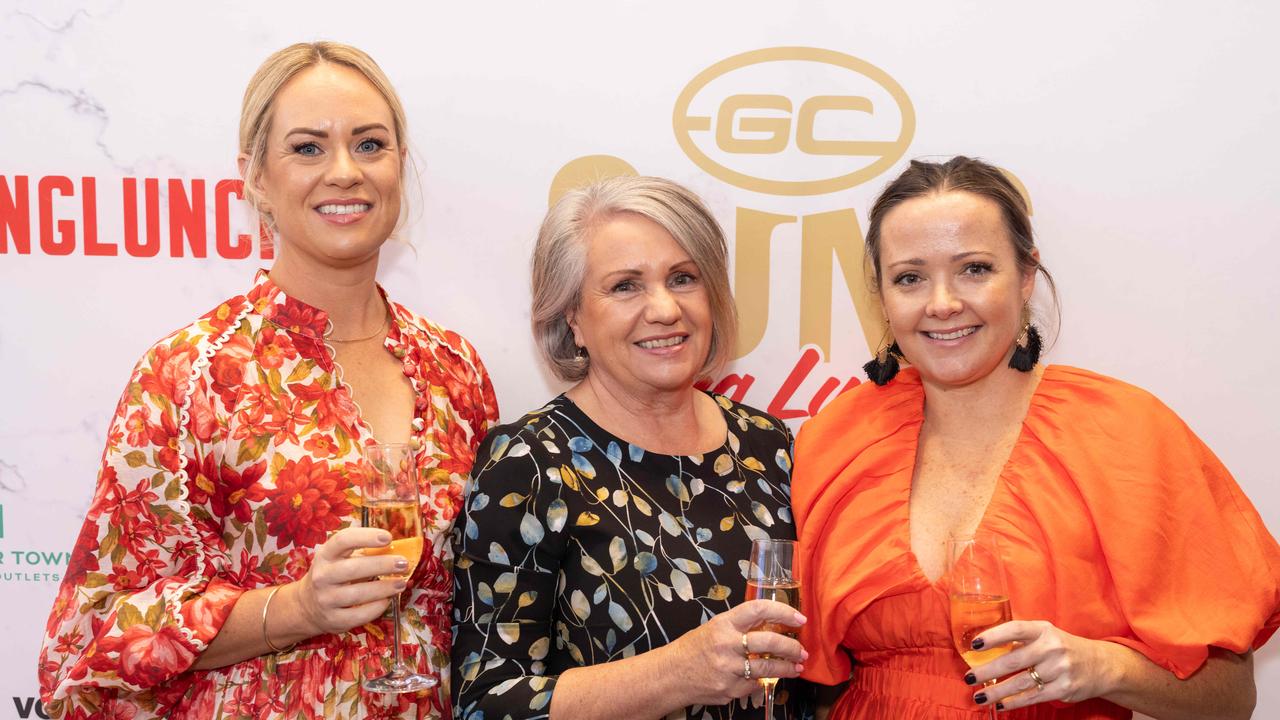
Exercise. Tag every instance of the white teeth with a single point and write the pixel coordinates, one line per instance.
(344, 209)
(953, 335)
(666, 342)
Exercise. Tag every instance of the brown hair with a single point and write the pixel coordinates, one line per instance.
(560, 260)
(278, 69)
(961, 174)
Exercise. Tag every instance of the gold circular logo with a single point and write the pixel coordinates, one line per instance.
(585, 170)
(753, 130)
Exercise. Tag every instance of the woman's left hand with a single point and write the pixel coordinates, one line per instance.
(1070, 668)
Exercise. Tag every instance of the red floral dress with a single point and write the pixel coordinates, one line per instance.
(228, 461)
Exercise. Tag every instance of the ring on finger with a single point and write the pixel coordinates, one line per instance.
(745, 651)
(746, 668)
(1036, 677)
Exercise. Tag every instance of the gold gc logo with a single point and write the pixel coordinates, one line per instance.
(854, 122)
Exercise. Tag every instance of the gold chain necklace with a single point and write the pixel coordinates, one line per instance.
(382, 330)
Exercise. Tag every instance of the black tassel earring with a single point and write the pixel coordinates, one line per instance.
(1026, 351)
(881, 368)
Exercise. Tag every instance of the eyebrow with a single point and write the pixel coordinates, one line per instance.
(917, 262)
(324, 134)
(634, 271)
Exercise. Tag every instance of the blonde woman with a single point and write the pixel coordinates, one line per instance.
(217, 573)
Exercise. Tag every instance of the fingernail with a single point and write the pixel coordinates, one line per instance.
(977, 643)
(969, 679)
(999, 706)
(804, 655)
(799, 668)
(402, 564)
(800, 619)
(401, 584)
(384, 538)
(980, 698)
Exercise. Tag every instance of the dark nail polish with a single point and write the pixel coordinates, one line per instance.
(980, 698)
(969, 679)
(999, 706)
(977, 643)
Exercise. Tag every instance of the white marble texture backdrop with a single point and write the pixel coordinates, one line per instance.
(1144, 132)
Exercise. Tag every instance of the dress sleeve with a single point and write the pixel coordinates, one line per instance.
(486, 399)
(1194, 567)
(142, 597)
(508, 563)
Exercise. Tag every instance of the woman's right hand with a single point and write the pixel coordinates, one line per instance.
(713, 662)
(341, 590)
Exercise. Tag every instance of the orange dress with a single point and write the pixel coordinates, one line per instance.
(1116, 523)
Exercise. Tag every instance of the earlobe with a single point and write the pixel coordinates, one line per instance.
(242, 163)
(571, 319)
(1028, 287)
(1029, 282)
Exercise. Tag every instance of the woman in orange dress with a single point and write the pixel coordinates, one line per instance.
(1140, 575)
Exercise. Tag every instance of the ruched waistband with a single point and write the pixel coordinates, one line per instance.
(931, 675)
(927, 683)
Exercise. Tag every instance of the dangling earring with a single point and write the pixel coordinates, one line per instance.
(1026, 350)
(884, 366)
(580, 358)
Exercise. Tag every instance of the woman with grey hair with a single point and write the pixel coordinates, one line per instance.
(603, 550)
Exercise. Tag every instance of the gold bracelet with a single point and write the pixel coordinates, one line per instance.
(265, 637)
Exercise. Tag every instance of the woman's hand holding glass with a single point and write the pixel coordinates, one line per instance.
(715, 661)
(1069, 668)
(1038, 661)
(343, 589)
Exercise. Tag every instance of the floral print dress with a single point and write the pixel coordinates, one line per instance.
(578, 548)
(231, 456)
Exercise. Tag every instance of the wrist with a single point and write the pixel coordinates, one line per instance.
(1113, 663)
(266, 617)
(296, 621)
(670, 677)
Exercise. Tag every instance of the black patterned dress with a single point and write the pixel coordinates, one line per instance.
(577, 548)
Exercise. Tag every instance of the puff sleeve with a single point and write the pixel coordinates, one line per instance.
(145, 590)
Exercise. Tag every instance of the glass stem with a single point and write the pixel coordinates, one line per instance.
(768, 699)
(399, 667)
(988, 684)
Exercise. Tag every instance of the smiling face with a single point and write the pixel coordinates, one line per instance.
(951, 286)
(331, 171)
(644, 315)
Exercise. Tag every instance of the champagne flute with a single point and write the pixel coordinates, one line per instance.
(390, 502)
(770, 577)
(979, 598)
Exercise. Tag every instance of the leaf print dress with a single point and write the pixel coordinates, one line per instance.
(229, 459)
(577, 548)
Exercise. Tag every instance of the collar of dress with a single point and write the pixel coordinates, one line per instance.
(294, 315)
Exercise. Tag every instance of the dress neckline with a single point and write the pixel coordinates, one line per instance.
(564, 402)
(311, 324)
(939, 584)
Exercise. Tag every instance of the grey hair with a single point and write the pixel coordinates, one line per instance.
(560, 262)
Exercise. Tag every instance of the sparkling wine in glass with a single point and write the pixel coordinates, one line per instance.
(770, 577)
(390, 502)
(979, 598)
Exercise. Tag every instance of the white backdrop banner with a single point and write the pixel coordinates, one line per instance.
(1143, 133)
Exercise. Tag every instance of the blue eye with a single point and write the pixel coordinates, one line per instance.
(906, 279)
(683, 278)
(624, 286)
(369, 145)
(307, 149)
